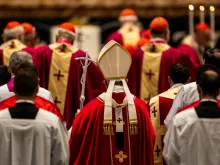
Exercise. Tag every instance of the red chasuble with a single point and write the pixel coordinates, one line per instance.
(39, 102)
(127, 35)
(11, 46)
(89, 146)
(192, 58)
(60, 73)
(149, 72)
(159, 106)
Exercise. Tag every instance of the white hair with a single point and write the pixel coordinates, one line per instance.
(17, 58)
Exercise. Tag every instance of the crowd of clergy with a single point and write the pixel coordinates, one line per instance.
(143, 102)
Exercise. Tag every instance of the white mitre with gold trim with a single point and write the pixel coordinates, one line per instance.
(114, 62)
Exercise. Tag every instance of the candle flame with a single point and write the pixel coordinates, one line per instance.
(191, 7)
(202, 8)
(212, 8)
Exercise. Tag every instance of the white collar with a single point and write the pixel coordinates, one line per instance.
(118, 89)
(157, 39)
(176, 85)
(24, 101)
(205, 100)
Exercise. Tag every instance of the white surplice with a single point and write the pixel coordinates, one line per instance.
(5, 93)
(192, 141)
(42, 141)
(187, 95)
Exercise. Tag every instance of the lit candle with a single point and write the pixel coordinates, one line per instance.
(212, 25)
(202, 13)
(191, 19)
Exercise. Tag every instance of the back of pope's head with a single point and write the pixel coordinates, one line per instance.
(13, 30)
(66, 33)
(115, 62)
(128, 15)
(159, 28)
(202, 33)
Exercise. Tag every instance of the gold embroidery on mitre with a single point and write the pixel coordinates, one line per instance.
(121, 156)
(10, 47)
(59, 73)
(150, 70)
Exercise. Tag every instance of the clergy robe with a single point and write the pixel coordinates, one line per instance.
(127, 35)
(186, 96)
(39, 102)
(11, 46)
(150, 69)
(89, 146)
(192, 54)
(61, 74)
(7, 91)
(31, 136)
(159, 107)
(193, 137)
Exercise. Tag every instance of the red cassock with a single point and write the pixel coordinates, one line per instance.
(195, 104)
(89, 146)
(39, 102)
(11, 46)
(150, 69)
(191, 56)
(61, 74)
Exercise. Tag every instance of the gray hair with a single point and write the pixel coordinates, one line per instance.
(66, 35)
(17, 58)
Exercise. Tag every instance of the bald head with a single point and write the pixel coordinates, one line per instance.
(209, 80)
(17, 58)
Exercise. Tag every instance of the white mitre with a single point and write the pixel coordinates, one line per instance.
(114, 62)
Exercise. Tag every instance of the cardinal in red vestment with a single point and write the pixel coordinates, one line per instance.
(129, 33)
(151, 63)
(159, 106)
(193, 48)
(30, 34)
(13, 36)
(114, 128)
(60, 73)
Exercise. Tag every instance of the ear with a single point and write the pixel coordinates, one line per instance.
(189, 80)
(38, 81)
(199, 90)
(170, 81)
(9, 69)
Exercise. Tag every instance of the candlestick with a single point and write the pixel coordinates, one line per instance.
(202, 13)
(212, 25)
(191, 19)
